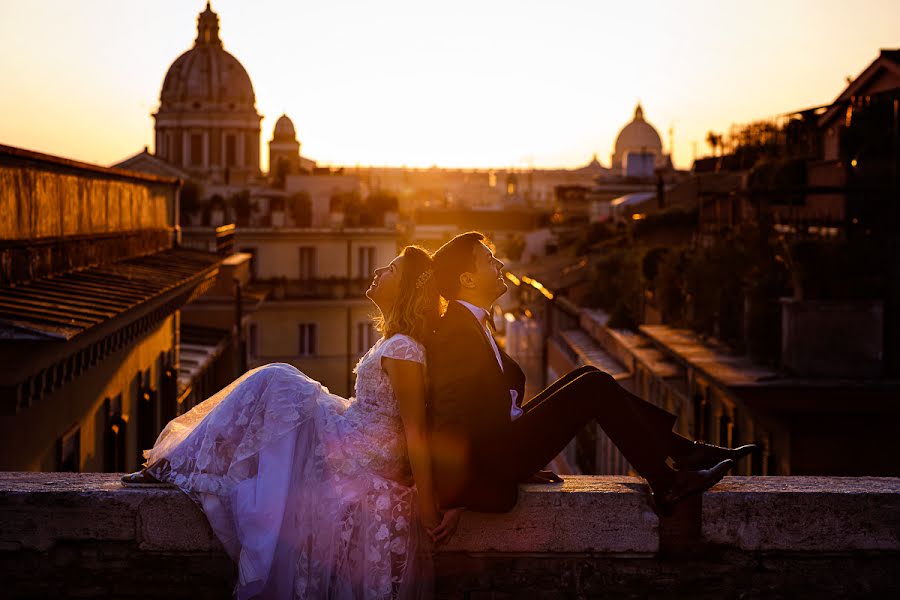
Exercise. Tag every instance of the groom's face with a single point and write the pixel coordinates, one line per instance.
(488, 278)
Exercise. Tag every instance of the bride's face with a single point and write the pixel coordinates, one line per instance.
(386, 284)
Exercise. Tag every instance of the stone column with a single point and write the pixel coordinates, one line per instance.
(185, 148)
(240, 149)
(206, 149)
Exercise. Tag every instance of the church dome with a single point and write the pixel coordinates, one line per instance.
(638, 135)
(284, 130)
(207, 124)
(206, 76)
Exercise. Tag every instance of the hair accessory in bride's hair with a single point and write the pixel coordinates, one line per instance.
(424, 277)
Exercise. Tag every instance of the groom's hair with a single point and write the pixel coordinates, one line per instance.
(453, 259)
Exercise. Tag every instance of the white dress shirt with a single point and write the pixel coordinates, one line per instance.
(482, 315)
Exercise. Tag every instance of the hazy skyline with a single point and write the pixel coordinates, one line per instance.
(462, 84)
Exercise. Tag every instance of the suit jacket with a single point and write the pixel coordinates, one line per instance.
(469, 405)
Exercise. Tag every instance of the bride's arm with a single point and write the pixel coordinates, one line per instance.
(408, 382)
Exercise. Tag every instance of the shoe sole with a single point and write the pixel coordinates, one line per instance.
(160, 484)
(668, 504)
(698, 466)
(151, 483)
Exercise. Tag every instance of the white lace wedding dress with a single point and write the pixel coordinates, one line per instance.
(310, 493)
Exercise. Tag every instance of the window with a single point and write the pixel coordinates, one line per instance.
(196, 149)
(308, 342)
(68, 450)
(307, 262)
(757, 458)
(168, 388)
(230, 151)
(253, 340)
(365, 264)
(736, 431)
(365, 336)
(697, 403)
(248, 148)
(147, 402)
(114, 436)
(724, 431)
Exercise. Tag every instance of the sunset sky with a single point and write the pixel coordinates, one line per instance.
(461, 83)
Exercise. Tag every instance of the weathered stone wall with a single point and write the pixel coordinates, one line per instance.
(85, 536)
(58, 214)
(49, 200)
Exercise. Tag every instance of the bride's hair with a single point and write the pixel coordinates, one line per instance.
(418, 305)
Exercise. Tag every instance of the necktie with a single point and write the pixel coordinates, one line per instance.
(488, 320)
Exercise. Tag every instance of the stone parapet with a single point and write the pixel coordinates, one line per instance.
(85, 535)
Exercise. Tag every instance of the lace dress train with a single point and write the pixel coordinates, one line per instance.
(310, 493)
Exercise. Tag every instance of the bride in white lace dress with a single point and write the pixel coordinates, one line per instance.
(311, 494)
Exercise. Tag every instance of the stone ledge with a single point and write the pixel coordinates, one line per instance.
(598, 532)
(811, 514)
(586, 514)
(39, 509)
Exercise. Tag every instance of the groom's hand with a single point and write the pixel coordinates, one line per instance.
(447, 527)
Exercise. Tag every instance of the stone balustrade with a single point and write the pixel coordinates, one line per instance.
(85, 535)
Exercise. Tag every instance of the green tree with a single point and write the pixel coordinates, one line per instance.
(619, 286)
(714, 141)
(239, 203)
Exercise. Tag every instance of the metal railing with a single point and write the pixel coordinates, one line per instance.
(225, 239)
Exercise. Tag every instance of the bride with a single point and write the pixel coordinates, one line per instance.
(311, 494)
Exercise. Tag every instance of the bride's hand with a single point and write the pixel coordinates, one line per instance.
(430, 525)
(447, 527)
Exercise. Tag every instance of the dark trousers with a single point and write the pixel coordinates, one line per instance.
(641, 430)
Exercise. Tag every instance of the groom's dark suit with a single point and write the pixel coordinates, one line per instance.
(480, 454)
(469, 402)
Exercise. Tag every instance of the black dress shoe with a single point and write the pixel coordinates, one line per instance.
(704, 456)
(689, 483)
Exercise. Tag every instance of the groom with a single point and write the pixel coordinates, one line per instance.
(485, 441)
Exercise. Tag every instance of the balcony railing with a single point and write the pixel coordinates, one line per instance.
(225, 239)
(315, 288)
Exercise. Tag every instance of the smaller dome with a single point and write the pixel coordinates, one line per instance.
(284, 130)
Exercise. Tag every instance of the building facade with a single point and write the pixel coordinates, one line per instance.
(315, 315)
(92, 280)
